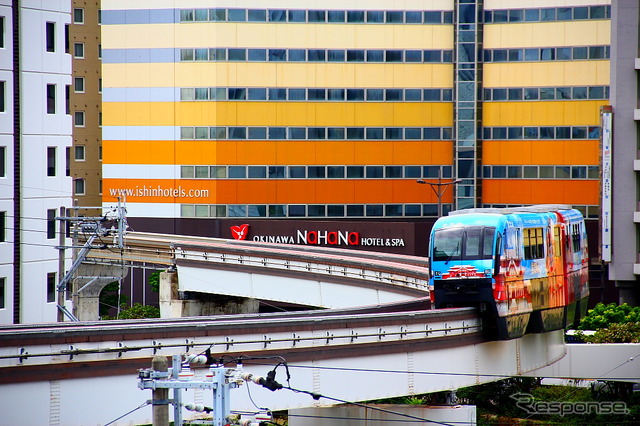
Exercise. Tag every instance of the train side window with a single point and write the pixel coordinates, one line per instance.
(497, 254)
(575, 237)
(556, 240)
(533, 243)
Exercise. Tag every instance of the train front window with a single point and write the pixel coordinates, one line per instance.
(470, 243)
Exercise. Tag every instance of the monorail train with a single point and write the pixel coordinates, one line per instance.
(525, 268)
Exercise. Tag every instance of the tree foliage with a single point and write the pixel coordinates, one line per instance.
(139, 311)
(603, 315)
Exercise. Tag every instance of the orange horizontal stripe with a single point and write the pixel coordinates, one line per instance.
(541, 152)
(517, 191)
(288, 191)
(277, 152)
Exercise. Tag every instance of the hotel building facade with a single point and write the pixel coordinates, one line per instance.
(278, 121)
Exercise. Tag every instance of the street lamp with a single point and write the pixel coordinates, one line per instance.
(439, 188)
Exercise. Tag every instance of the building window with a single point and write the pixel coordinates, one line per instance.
(78, 118)
(99, 85)
(100, 119)
(3, 292)
(67, 157)
(51, 224)
(78, 84)
(51, 98)
(3, 226)
(99, 51)
(51, 161)
(79, 186)
(1, 32)
(79, 153)
(99, 16)
(100, 153)
(51, 287)
(3, 161)
(78, 16)
(100, 186)
(3, 85)
(78, 50)
(50, 34)
(67, 99)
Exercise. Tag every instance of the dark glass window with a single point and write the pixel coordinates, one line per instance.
(531, 93)
(316, 15)
(374, 209)
(257, 94)
(516, 15)
(514, 132)
(237, 93)
(335, 94)
(597, 12)
(393, 133)
(431, 94)
(355, 16)
(297, 94)
(413, 133)
(531, 54)
(432, 17)
(431, 133)
(237, 54)
(316, 55)
(532, 15)
(316, 211)
(335, 133)
(257, 15)
(394, 17)
(580, 53)
(563, 53)
(531, 133)
(277, 94)
(297, 55)
(374, 133)
(334, 55)
(596, 92)
(296, 15)
(296, 210)
(355, 94)
(316, 172)
(393, 55)
(335, 15)
(563, 93)
(277, 16)
(548, 54)
(355, 210)
(334, 210)
(277, 55)
(515, 94)
(547, 132)
(432, 56)
(413, 17)
(317, 94)
(412, 95)
(237, 172)
(355, 172)
(564, 14)
(375, 94)
(413, 56)
(297, 172)
(237, 15)
(237, 132)
(51, 98)
(257, 172)
(563, 132)
(499, 94)
(579, 132)
(297, 133)
(547, 93)
(548, 14)
(412, 172)
(393, 172)
(375, 55)
(579, 93)
(50, 29)
(355, 55)
(375, 16)
(355, 133)
(316, 133)
(597, 52)
(277, 133)
(393, 94)
(500, 16)
(335, 172)
(499, 172)
(257, 132)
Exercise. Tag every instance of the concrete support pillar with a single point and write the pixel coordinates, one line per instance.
(86, 290)
(176, 304)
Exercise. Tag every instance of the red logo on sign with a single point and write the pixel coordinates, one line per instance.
(240, 232)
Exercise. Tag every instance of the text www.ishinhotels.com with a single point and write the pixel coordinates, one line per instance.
(150, 191)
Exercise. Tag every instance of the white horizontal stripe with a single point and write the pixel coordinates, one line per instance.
(140, 171)
(140, 133)
(282, 4)
(164, 210)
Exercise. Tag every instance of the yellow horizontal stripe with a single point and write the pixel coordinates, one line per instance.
(267, 35)
(541, 74)
(551, 34)
(278, 152)
(541, 113)
(541, 152)
(277, 114)
(264, 74)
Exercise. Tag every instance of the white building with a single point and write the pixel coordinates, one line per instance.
(35, 139)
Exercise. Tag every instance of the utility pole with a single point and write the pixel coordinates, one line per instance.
(61, 254)
(439, 188)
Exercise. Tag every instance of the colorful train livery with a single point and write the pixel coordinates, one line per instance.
(525, 268)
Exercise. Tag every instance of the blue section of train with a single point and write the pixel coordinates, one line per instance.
(525, 268)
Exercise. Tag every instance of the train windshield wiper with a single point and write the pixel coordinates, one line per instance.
(453, 253)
